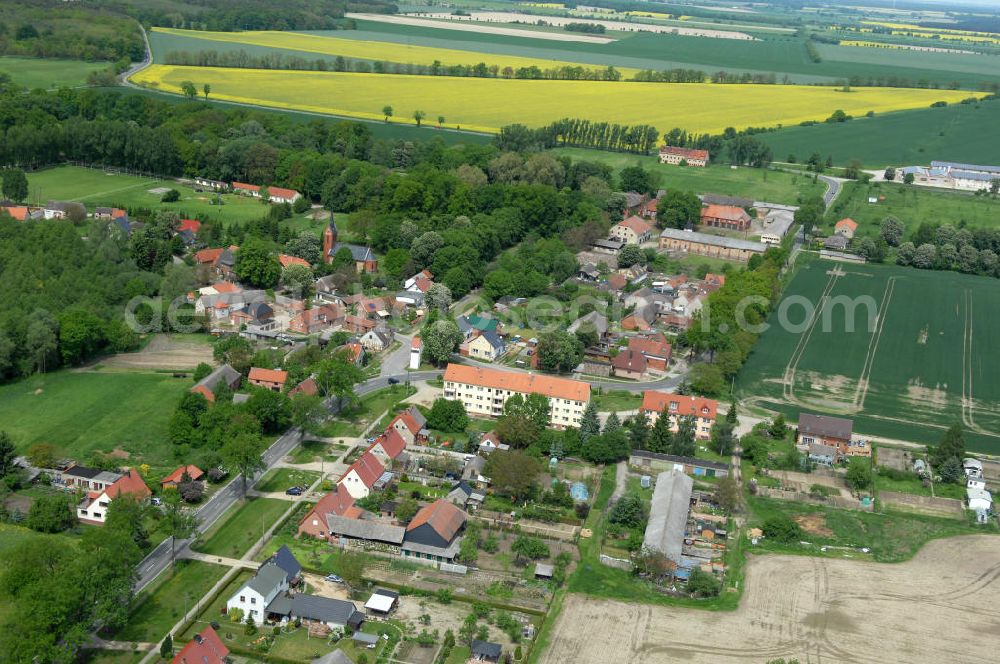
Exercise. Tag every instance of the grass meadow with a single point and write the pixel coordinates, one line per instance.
(483, 104)
(953, 133)
(81, 412)
(242, 525)
(48, 74)
(924, 364)
(754, 183)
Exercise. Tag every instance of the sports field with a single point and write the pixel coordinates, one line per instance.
(486, 104)
(917, 357)
(97, 187)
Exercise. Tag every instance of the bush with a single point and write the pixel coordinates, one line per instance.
(300, 205)
(702, 584)
(171, 196)
(781, 528)
(629, 511)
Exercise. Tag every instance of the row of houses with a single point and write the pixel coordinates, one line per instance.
(952, 175)
(273, 194)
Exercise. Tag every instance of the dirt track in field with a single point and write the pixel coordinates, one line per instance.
(164, 351)
(939, 607)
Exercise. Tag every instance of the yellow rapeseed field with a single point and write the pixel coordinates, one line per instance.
(486, 104)
(375, 50)
(938, 33)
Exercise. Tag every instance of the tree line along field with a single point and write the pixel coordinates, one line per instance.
(48, 74)
(958, 132)
(926, 361)
(911, 205)
(753, 183)
(80, 412)
(486, 104)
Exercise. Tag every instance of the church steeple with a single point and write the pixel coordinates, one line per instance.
(329, 239)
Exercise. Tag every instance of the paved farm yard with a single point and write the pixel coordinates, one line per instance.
(926, 363)
(938, 607)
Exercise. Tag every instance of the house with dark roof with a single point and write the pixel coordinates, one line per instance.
(485, 651)
(204, 648)
(223, 376)
(257, 593)
(285, 559)
(315, 610)
(485, 345)
(629, 364)
(434, 532)
(364, 532)
(834, 431)
(668, 515)
(335, 657)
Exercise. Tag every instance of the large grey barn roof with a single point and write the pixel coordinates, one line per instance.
(713, 240)
(364, 529)
(824, 425)
(668, 514)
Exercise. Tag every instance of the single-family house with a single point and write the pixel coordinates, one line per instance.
(670, 154)
(94, 507)
(287, 260)
(593, 322)
(222, 377)
(317, 319)
(654, 348)
(633, 230)
(336, 502)
(205, 647)
(362, 475)
(173, 479)
(485, 651)
(17, 212)
(377, 339)
(270, 379)
(257, 593)
(285, 560)
(835, 431)
(61, 209)
(486, 345)
(433, 533)
(255, 313)
(388, 446)
(676, 406)
(629, 364)
(728, 217)
(274, 194)
(846, 227)
(411, 425)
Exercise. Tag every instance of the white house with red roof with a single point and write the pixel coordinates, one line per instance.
(362, 475)
(94, 508)
(633, 230)
(677, 406)
(274, 194)
(670, 154)
(388, 446)
(411, 425)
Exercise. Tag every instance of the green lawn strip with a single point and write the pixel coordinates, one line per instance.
(352, 420)
(891, 536)
(162, 604)
(47, 73)
(459, 655)
(81, 412)
(111, 657)
(617, 400)
(753, 183)
(309, 451)
(242, 525)
(914, 485)
(279, 479)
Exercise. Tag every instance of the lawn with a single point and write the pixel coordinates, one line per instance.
(617, 400)
(48, 74)
(912, 206)
(96, 187)
(953, 133)
(483, 104)
(279, 479)
(309, 451)
(81, 412)
(891, 536)
(241, 526)
(459, 655)
(352, 421)
(753, 183)
(913, 484)
(111, 657)
(921, 368)
(166, 601)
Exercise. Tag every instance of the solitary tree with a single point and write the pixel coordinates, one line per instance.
(180, 523)
(244, 453)
(207, 88)
(187, 87)
(167, 648)
(419, 116)
(15, 184)
(440, 120)
(387, 112)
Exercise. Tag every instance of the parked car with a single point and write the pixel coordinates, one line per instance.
(156, 501)
(294, 491)
(334, 578)
(393, 381)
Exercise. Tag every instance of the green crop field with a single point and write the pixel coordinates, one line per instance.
(754, 183)
(912, 206)
(85, 411)
(48, 74)
(95, 187)
(953, 133)
(916, 359)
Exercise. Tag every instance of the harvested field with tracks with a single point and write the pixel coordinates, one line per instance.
(813, 609)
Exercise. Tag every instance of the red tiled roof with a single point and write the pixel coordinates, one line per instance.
(268, 375)
(129, 483)
(557, 388)
(847, 222)
(243, 186)
(353, 512)
(423, 284)
(192, 225)
(716, 279)
(617, 281)
(417, 342)
(391, 442)
(287, 260)
(354, 351)
(630, 360)
(637, 225)
(679, 404)
(281, 192)
(19, 212)
(194, 472)
(633, 322)
(406, 417)
(684, 153)
(226, 287)
(727, 212)
(308, 386)
(336, 502)
(368, 468)
(357, 323)
(444, 517)
(655, 347)
(205, 648)
(208, 255)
